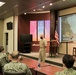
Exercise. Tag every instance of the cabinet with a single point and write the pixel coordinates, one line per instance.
(26, 47)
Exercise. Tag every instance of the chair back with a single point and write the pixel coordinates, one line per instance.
(11, 73)
(0, 68)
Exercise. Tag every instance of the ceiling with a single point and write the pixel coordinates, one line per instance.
(18, 7)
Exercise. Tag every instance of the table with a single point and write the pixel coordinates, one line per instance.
(67, 45)
(48, 70)
(32, 63)
(45, 69)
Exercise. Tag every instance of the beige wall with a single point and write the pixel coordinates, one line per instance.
(1, 31)
(12, 34)
(67, 11)
(9, 47)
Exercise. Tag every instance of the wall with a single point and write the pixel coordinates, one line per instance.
(9, 47)
(24, 26)
(67, 11)
(1, 31)
(62, 47)
(12, 34)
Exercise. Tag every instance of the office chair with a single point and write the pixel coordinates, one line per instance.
(12, 73)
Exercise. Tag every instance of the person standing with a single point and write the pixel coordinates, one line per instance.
(42, 50)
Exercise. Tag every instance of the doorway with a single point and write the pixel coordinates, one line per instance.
(6, 35)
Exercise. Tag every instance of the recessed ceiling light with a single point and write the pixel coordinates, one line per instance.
(63, 0)
(51, 4)
(34, 10)
(16, 6)
(25, 13)
(43, 6)
(2, 3)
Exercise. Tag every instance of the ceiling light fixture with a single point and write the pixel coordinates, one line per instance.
(34, 10)
(2, 3)
(51, 4)
(24, 13)
(63, 0)
(43, 6)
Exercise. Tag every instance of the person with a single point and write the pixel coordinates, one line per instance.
(15, 65)
(4, 57)
(42, 50)
(68, 62)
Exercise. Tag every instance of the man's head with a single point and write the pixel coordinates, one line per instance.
(41, 36)
(15, 55)
(1, 48)
(68, 60)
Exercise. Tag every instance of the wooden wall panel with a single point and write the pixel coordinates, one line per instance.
(24, 25)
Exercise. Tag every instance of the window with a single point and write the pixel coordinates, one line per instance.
(40, 27)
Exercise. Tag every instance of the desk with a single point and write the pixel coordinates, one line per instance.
(33, 63)
(45, 69)
(67, 45)
(48, 70)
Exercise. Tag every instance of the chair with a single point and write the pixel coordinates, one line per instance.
(1, 69)
(74, 51)
(11, 73)
(33, 71)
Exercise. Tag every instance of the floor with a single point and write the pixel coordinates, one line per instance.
(53, 60)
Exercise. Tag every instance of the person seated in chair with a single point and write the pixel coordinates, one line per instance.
(68, 62)
(15, 66)
(3, 57)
